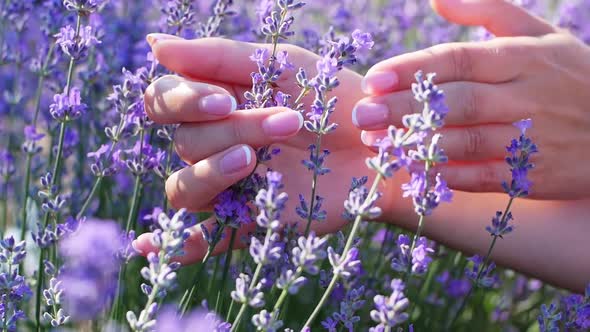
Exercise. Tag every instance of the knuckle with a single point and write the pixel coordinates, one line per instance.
(236, 131)
(461, 62)
(473, 141)
(489, 178)
(184, 142)
(471, 101)
(173, 191)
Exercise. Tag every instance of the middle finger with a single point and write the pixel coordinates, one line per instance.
(469, 103)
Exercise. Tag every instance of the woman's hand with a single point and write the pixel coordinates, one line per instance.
(532, 70)
(218, 142)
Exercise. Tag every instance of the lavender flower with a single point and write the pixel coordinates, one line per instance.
(90, 275)
(359, 204)
(67, 107)
(520, 151)
(549, 318)
(180, 14)
(267, 321)
(501, 224)
(161, 272)
(76, 46)
(7, 167)
(389, 311)
(352, 302)
(291, 281)
(32, 137)
(245, 294)
(83, 6)
(309, 251)
(420, 256)
(14, 290)
(197, 321)
(484, 278)
(53, 297)
(344, 266)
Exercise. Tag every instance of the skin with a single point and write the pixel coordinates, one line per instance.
(538, 69)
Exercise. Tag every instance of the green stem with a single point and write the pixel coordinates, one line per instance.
(39, 290)
(29, 160)
(134, 200)
(131, 216)
(89, 198)
(56, 176)
(314, 183)
(347, 246)
(252, 285)
(220, 303)
(285, 291)
(187, 297)
(481, 269)
(24, 224)
(4, 202)
(100, 177)
(40, 82)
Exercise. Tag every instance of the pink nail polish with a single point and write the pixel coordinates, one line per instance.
(134, 245)
(152, 38)
(217, 104)
(283, 124)
(379, 82)
(235, 160)
(365, 139)
(370, 115)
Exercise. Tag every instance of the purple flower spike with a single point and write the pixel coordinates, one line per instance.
(390, 311)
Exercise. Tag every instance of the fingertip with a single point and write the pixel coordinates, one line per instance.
(379, 82)
(153, 38)
(143, 244)
(364, 138)
(283, 124)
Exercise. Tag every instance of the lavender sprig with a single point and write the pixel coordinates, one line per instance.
(520, 151)
(391, 158)
(13, 288)
(271, 202)
(390, 311)
(66, 106)
(341, 53)
(161, 273)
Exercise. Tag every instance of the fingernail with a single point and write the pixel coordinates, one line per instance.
(365, 138)
(283, 124)
(152, 38)
(134, 245)
(218, 104)
(235, 160)
(368, 115)
(379, 82)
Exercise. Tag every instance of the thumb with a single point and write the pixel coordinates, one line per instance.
(500, 17)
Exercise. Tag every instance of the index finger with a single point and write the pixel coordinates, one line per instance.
(173, 99)
(494, 61)
(218, 59)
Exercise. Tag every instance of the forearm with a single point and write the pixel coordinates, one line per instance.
(550, 241)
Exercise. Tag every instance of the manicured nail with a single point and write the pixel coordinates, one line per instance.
(283, 124)
(379, 82)
(152, 38)
(134, 245)
(235, 160)
(218, 104)
(368, 115)
(365, 138)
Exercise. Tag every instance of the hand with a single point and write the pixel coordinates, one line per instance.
(214, 70)
(532, 70)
